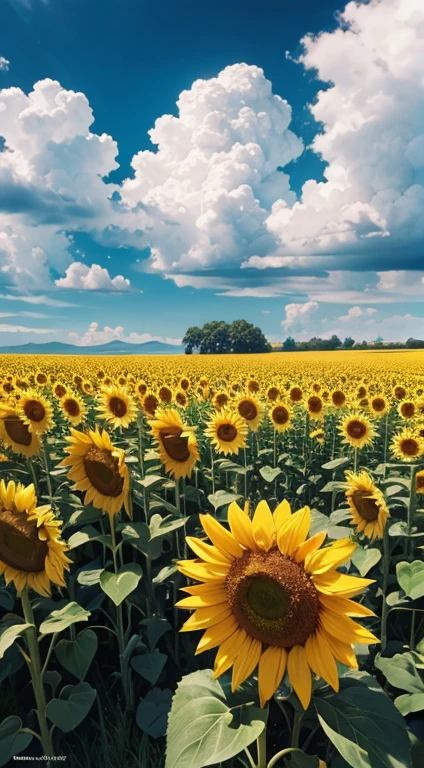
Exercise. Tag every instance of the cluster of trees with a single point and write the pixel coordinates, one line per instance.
(316, 343)
(220, 338)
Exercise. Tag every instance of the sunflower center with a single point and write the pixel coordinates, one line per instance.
(142, 388)
(272, 598)
(34, 410)
(17, 430)
(165, 394)
(253, 386)
(273, 393)
(314, 404)
(366, 507)
(362, 392)
(338, 397)
(226, 432)
(221, 399)
(280, 414)
(296, 394)
(378, 404)
(72, 407)
(408, 410)
(410, 447)
(248, 410)
(419, 481)
(102, 471)
(60, 390)
(150, 403)
(175, 446)
(118, 407)
(400, 393)
(20, 546)
(356, 429)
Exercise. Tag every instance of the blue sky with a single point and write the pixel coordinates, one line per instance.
(303, 214)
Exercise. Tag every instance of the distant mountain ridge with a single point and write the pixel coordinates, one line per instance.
(111, 348)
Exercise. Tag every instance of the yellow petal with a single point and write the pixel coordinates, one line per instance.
(263, 526)
(208, 589)
(330, 557)
(343, 605)
(206, 617)
(321, 660)
(281, 514)
(309, 546)
(199, 601)
(241, 526)
(344, 628)
(300, 674)
(272, 666)
(294, 531)
(217, 634)
(202, 571)
(334, 582)
(208, 553)
(341, 651)
(228, 651)
(246, 661)
(220, 537)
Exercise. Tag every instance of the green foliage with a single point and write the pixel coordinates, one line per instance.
(220, 338)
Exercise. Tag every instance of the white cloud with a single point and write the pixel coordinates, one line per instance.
(95, 335)
(4, 64)
(298, 316)
(37, 299)
(356, 312)
(4, 328)
(95, 278)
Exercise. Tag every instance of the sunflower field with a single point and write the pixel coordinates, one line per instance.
(212, 561)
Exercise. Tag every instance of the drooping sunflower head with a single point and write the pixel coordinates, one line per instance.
(36, 412)
(251, 410)
(227, 431)
(379, 405)
(177, 444)
(280, 415)
(407, 409)
(116, 406)
(419, 482)
(31, 551)
(407, 445)
(98, 467)
(356, 430)
(150, 403)
(15, 433)
(273, 599)
(73, 408)
(367, 504)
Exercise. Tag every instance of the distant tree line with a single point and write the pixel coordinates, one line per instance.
(316, 343)
(220, 338)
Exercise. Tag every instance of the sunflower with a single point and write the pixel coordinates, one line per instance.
(40, 378)
(181, 398)
(252, 386)
(116, 407)
(73, 408)
(165, 394)
(177, 444)
(318, 435)
(338, 398)
(367, 504)
(315, 407)
(31, 551)
(221, 399)
(272, 393)
(184, 383)
(419, 482)
(357, 430)
(274, 599)
(140, 388)
(150, 403)
(60, 389)
(407, 409)
(98, 467)
(399, 392)
(407, 446)
(227, 431)
(280, 415)
(379, 405)
(36, 412)
(251, 410)
(15, 434)
(296, 394)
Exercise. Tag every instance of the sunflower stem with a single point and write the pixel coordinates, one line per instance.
(49, 653)
(212, 470)
(47, 470)
(274, 760)
(33, 474)
(261, 748)
(385, 607)
(355, 459)
(412, 633)
(296, 730)
(245, 475)
(34, 666)
(125, 670)
(411, 509)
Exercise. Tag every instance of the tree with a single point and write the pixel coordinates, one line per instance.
(215, 338)
(348, 342)
(247, 338)
(220, 338)
(192, 339)
(289, 345)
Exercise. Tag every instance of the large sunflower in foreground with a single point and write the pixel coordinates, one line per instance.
(15, 434)
(36, 412)
(31, 551)
(177, 444)
(407, 445)
(116, 406)
(227, 431)
(273, 599)
(367, 505)
(356, 430)
(98, 467)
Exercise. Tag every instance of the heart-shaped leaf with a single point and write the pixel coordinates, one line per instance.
(149, 665)
(73, 705)
(57, 621)
(12, 740)
(118, 586)
(152, 712)
(9, 632)
(401, 672)
(411, 578)
(365, 559)
(77, 655)
(269, 473)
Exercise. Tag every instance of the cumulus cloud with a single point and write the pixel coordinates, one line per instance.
(4, 64)
(81, 277)
(95, 335)
(298, 316)
(357, 312)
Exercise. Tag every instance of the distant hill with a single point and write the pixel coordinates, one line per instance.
(112, 348)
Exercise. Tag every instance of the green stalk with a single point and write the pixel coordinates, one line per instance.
(125, 672)
(296, 730)
(261, 747)
(212, 470)
(34, 665)
(274, 760)
(411, 508)
(33, 474)
(385, 607)
(47, 469)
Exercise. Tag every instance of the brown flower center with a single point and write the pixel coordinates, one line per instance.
(409, 447)
(181, 398)
(103, 471)
(41, 378)
(362, 392)
(221, 399)
(338, 397)
(165, 394)
(71, 407)
(20, 546)
(407, 410)
(273, 393)
(248, 410)
(150, 403)
(226, 432)
(17, 430)
(253, 386)
(142, 388)
(118, 407)
(400, 393)
(419, 481)
(272, 598)
(296, 394)
(34, 410)
(60, 390)
(378, 404)
(8, 387)
(175, 446)
(356, 429)
(366, 507)
(184, 384)
(315, 404)
(280, 414)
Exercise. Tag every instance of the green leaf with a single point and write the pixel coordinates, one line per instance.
(165, 573)
(77, 655)
(12, 740)
(152, 712)
(118, 586)
(149, 665)
(221, 498)
(203, 729)
(155, 629)
(365, 559)
(401, 672)
(57, 621)
(343, 461)
(83, 516)
(89, 576)
(9, 632)
(73, 705)
(269, 474)
(162, 526)
(151, 481)
(333, 486)
(364, 725)
(300, 759)
(411, 578)
(89, 533)
(410, 702)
